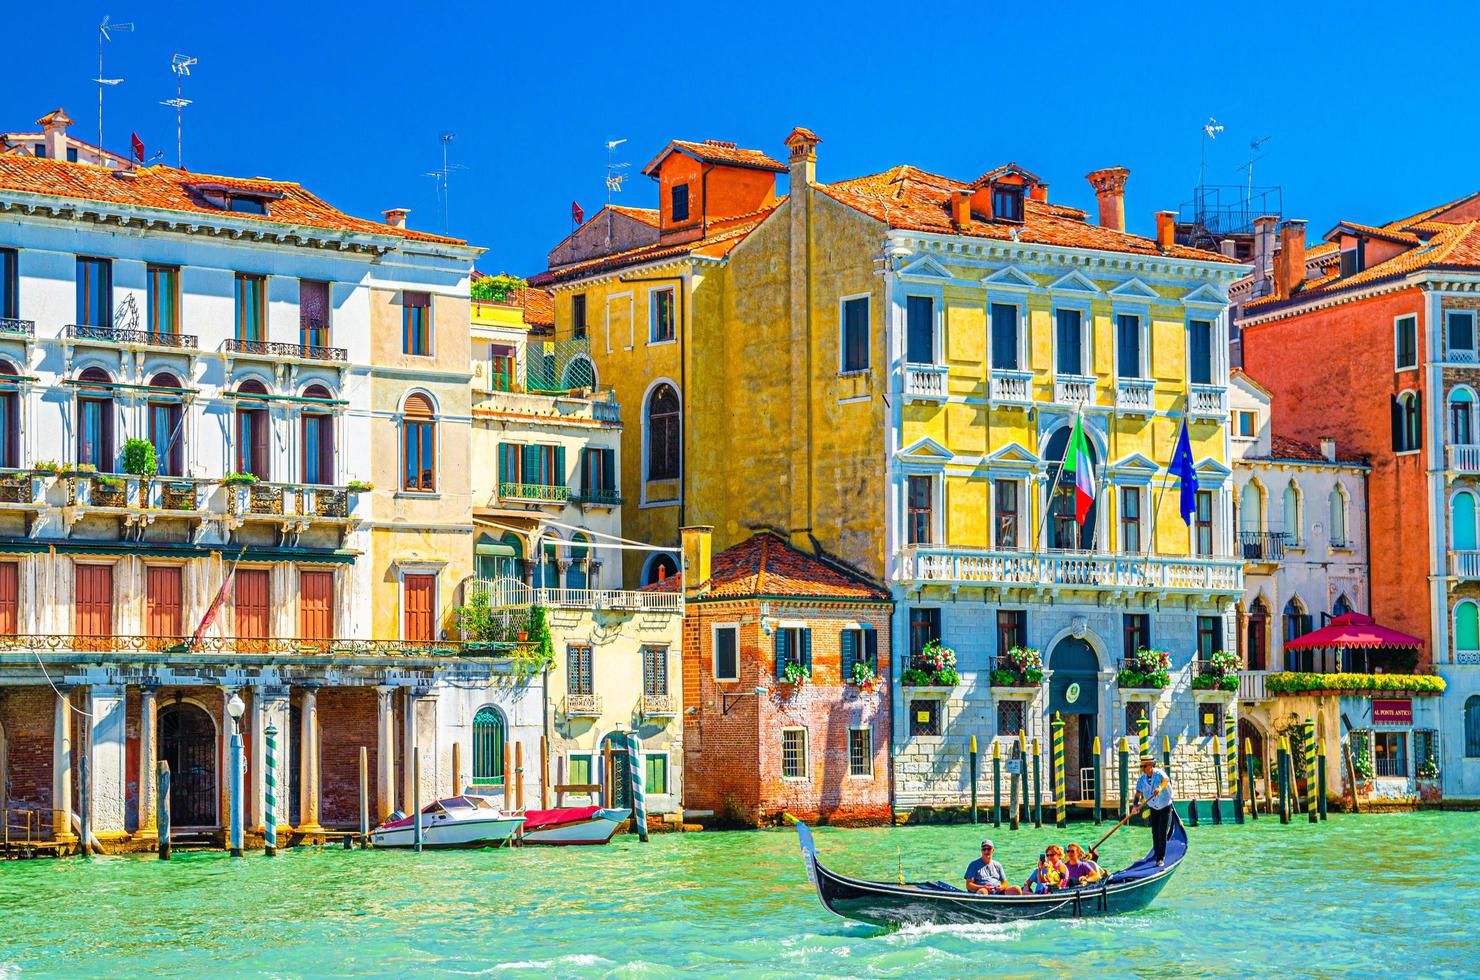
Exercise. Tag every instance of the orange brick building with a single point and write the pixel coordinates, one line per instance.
(761, 739)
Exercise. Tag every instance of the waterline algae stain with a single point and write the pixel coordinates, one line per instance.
(1359, 895)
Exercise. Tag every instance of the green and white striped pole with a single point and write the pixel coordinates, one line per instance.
(1058, 770)
(637, 772)
(269, 823)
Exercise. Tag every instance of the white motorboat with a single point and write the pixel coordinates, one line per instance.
(571, 825)
(459, 821)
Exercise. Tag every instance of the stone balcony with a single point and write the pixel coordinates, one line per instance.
(925, 382)
(1048, 571)
(1135, 396)
(658, 706)
(582, 706)
(1464, 460)
(1074, 390)
(1011, 387)
(597, 406)
(1465, 565)
(1207, 401)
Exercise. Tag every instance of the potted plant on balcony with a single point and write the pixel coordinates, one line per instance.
(1219, 674)
(795, 673)
(863, 675)
(1021, 667)
(934, 667)
(359, 486)
(140, 460)
(1148, 668)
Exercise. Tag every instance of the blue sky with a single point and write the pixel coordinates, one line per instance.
(1369, 112)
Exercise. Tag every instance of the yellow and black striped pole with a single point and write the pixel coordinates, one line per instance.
(1230, 746)
(1059, 788)
(1099, 783)
(1143, 730)
(1310, 770)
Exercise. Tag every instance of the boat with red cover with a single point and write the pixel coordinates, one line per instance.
(572, 825)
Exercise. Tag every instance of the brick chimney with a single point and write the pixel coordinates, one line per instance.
(1328, 447)
(1109, 185)
(698, 547)
(1264, 231)
(54, 133)
(961, 207)
(1166, 229)
(803, 160)
(1289, 265)
(1038, 192)
(396, 217)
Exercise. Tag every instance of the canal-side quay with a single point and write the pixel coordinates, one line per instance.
(1360, 894)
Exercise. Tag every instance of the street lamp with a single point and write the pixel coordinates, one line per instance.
(235, 707)
(728, 699)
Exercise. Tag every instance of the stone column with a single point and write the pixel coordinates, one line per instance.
(107, 763)
(308, 767)
(61, 768)
(385, 751)
(408, 744)
(256, 759)
(148, 760)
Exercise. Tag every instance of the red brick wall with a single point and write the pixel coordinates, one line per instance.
(28, 715)
(1331, 373)
(733, 762)
(347, 720)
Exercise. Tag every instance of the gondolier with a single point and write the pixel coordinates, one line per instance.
(1154, 790)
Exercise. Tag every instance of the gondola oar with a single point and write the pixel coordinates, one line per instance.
(1124, 820)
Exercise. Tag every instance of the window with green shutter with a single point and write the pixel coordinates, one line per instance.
(578, 771)
(860, 645)
(508, 463)
(793, 645)
(657, 774)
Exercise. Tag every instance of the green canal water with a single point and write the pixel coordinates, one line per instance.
(1358, 895)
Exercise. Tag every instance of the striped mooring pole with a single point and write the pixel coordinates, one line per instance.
(1310, 770)
(996, 783)
(973, 778)
(1253, 787)
(1230, 746)
(1037, 783)
(1143, 733)
(639, 791)
(1099, 790)
(1059, 816)
(269, 778)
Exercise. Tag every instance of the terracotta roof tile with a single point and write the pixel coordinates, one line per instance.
(168, 189)
(718, 151)
(539, 307)
(648, 216)
(724, 235)
(1391, 235)
(765, 566)
(1287, 449)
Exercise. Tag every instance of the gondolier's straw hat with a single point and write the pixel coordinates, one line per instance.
(1148, 758)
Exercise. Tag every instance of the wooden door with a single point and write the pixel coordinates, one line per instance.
(418, 598)
(92, 616)
(162, 604)
(10, 586)
(251, 610)
(315, 605)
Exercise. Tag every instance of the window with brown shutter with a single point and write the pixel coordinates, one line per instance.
(315, 605)
(92, 610)
(250, 605)
(418, 445)
(418, 598)
(9, 598)
(162, 601)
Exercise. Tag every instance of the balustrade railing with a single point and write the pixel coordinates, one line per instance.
(118, 335)
(925, 381)
(511, 592)
(1071, 569)
(1012, 387)
(1073, 389)
(1251, 685)
(1207, 401)
(1135, 394)
(1464, 564)
(1463, 458)
(346, 647)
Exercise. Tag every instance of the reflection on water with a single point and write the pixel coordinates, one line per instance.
(1357, 895)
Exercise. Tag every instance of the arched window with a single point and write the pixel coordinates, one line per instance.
(579, 373)
(1257, 647)
(1341, 607)
(10, 418)
(1250, 506)
(317, 437)
(1461, 417)
(1462, 509)
(418, 445)
(95, 420)
(1472, 726)
(166, 425)
(1405, 422)
(549, 570)
(1063, 530)
(1338, 517)
(659, 569)
(1297, 620)
(488, 747)
(498, 559)
(663, 434)
(253, 435)
(1294, 519)
(577, 572)
(1467, 626)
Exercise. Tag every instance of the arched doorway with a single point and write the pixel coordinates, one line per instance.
(1074, 693)
(1064, 532)
(488, 747)
(620, 762)
(187, 741)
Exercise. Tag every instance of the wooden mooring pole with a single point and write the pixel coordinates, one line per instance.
(84, 805)
(1125, 776)
(1037, 784)
(1253, 785)
(973, 779)
(1217, 780)
(364, 795)
(518, 775)
(416, 798)
(996, 783)
(162, 807)
(508, 777)
(1012, 796)
(544, 773)
(1321, 778)
(457, 779)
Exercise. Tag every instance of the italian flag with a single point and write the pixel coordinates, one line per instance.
(1076, 461)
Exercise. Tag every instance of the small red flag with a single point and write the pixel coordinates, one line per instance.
(138, 146)
(576, 214)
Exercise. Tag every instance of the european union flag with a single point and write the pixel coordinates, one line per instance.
(1182, 469)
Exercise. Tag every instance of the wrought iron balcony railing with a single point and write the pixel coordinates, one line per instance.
(117, 335)
(17, 328)
(599, 496)
(1263, 546)
(273, 348)
(538, 492)
(583, 705)
(217, 646)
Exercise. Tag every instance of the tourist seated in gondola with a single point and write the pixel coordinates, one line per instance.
(985, 876)
(1080, 869)
(1051, 872)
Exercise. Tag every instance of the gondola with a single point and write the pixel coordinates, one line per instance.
(881, 903)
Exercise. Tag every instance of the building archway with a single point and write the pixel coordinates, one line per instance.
(621, 760)
(489, 735)
(187, 741)
(660, 567)
(1074, 694)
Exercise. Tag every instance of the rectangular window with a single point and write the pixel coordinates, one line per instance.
(860, 645)
(578, 769)
(924, 716)
(727, 653)
(416, 327)
(1425, 748)
(1128, 338)
(1349, 262)
(1203, 522)
(1245, 424)
(793, 646)
(924, 627)
(1209, 719)
(1405, 340)
(95, 433)
(860, 752)
(920, 330)
(92, 617)
(164, 299)
(1012, 630)
(1200, 352)
(1130, 520)
(678, 196)
(251, 610)
(1069, 339)
(855, 334)
(162, 601)
(313, 313)
(418, 597)
(654, 672)
(794, 753)
(656, 765)
(1209, 636)
(1390, 753)
(578, 679)
(1005, 500)
(1134, 712)
(9, 598)
(421, 459)
(10, 282)
(315, 605)
(1004, 337)
(1136, 633)
(919, 521)
(1009, 717)
(1461, 330)
(500, 367)
(661, 316)
(578, 315)
(94, 292)
(1007, 203)
(598, 473)
(251, 311)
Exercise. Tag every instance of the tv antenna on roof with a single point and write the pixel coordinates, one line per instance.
(614, 178)
(1253, 159)
(441, 176)
(1210, 131)
(180, 65)
(105, 33)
